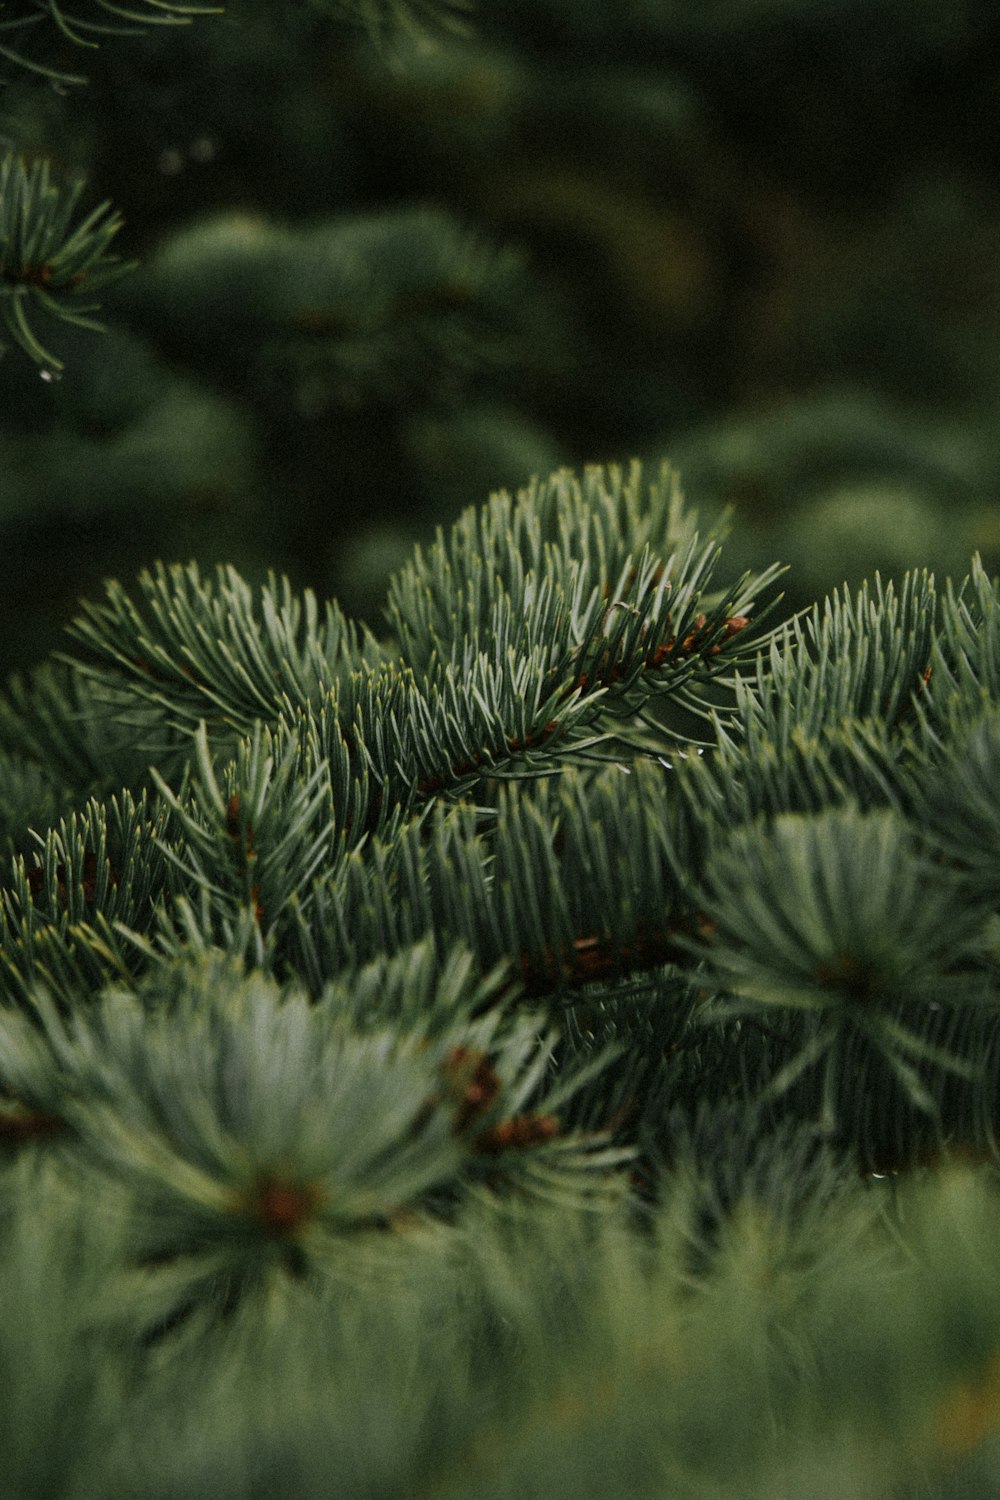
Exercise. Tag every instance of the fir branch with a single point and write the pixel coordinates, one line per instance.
(94, 871)
(416, 988)
(581, 881)
(538, 678)
(259, 1127)
(561, 529)
(47, 263)
(843, 915)
(957, 802)
(490, 717)
(203, 651)
(861, 656)
(573, 550)
(608, 583)
(253, 839)
(58, 720)
(359, 801)
(31, 21)
(744, 778)
(966, 656)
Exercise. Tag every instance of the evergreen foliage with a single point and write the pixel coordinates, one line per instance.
(543, 1040)
(42, 262)
(758, 239)
(28, 20)
(531, 1052)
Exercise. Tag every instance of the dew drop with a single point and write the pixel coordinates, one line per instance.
(50, 375)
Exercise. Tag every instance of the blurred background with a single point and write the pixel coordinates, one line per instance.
(381, 276)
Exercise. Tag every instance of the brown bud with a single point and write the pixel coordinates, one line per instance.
(517, 1134)
(280, 1207)
(471, 1081)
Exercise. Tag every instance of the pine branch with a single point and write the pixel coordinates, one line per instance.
(844, 916)
(33, 23)
(46, 262)
(59, 913)
(253, 840)
(202, 651)
(520, 681)
(957, 804)
(257, 1128)
(580, 881)
(58, 720)
(966, 659)
(740, 780)
(857, 657)
(602, 559)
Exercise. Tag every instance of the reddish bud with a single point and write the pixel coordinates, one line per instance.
(280, 1207)
(517, 1134)
(471, 1081)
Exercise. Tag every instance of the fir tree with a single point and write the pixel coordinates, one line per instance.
(543, 1045)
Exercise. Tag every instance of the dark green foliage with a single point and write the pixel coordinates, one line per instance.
(28, 21)
(378, 281)
(540, 1039)
(47, 262)
(493, 1082)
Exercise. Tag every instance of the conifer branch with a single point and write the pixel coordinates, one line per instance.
(255, 837)
(57, 719)
(354, 991)
(203, 652)
(59, 910)
(965, 667)
(28, 21)
(855, 657)
(844, 916)
(259, 1128)
(46, 262)
(542, 675)
(562, 897)
(957, 805)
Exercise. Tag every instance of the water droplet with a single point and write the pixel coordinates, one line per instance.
(171, 162)
(203, 149)
(58, 88)
(50, 375)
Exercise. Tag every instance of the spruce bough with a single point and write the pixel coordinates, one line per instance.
(550, 1049)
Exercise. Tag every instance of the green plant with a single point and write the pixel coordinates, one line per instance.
(507, 1051)
(541, 1041)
